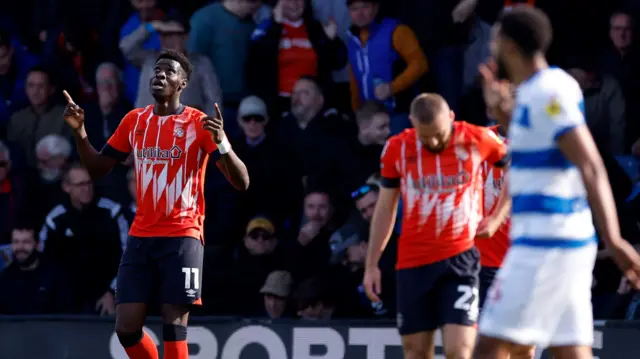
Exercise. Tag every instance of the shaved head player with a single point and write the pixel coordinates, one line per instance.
(171, 144)
(437, 168)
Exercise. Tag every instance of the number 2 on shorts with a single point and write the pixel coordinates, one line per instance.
(192, 274)
(468, 301)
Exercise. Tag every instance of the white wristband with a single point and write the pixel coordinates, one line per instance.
(224, 146)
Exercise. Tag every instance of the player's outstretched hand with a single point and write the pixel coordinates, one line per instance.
(215, 125)
(73, 114)
(372, 283)
(628, 260)
(487, 227)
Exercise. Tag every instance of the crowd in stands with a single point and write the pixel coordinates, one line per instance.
(310, 91)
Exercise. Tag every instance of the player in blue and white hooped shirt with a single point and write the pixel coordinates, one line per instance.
(542, 294)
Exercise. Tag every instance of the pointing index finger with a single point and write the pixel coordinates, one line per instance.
(218, 113)
(68, 97)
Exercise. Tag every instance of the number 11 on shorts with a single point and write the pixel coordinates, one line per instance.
(191, 274)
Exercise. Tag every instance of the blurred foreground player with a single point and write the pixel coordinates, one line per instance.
(171, 144)
(542, 293)
(492, 238)
(436, 166)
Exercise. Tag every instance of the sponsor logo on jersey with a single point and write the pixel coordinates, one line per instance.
(158, 155)
(553, 108)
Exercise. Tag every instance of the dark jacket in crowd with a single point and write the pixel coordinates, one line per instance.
(87, 244)
(43, 290)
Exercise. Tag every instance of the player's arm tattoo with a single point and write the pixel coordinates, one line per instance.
(234, 170)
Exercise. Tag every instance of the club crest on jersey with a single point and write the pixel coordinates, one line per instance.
(553, 108)
(461, 153)
(178, 132)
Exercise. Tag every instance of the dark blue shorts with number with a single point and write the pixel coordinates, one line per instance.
(170, 267)
(440, 293)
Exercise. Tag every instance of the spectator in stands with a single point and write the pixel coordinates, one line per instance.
(620, 60)
(33, 284)
(309, 128)
(260, 254)
(14, 194)
(276, 292)
(350, 251)
(289, 46)
(313, 299)
(604, 106)
(86, 235)
(326, 11)
(262, 153)
(203, 91)
(386, 61)
(345, 165)
(73, 53)
(41, 118)
(52, 152)
(312, 240)
(104, 117)
(15, 64)
(146, 11)
(222, 32)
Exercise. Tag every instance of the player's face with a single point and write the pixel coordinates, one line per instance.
(79, 186)
(436, 135)
(167, 79)
(23, 244)
(275, 306)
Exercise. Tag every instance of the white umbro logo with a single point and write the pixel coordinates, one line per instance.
(68, 232)
(191, 293)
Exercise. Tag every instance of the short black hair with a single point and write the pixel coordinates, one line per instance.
(24, 221)
(180, 58)
(528, 27)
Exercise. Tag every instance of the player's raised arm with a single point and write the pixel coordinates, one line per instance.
(95, 162)
(229, 163)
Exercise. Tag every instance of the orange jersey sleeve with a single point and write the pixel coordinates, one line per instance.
(389, 158)
(120, 140)
(492, 148)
